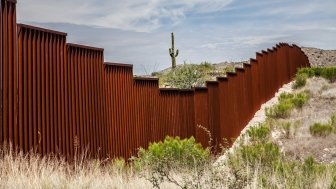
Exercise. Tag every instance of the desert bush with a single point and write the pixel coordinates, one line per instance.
(287, 102)
(259, 134)
(161, 159)
(328, 73)
(206, 66)
(300, 80)
(190, 75)
(300, 99)
(322, 130)
(186, 76)
(266, 153)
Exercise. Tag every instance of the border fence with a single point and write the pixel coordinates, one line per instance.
(63, 98)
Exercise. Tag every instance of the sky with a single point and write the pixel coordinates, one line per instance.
(138, 31)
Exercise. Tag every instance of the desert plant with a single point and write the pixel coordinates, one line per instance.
(300, 80)
(259, 133)
(287, 102)
(162, 158)
(328, 73)
(322, 130)
(186, 76)
(172, 53)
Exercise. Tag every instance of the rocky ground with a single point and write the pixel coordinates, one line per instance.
(320, 57)
(319, 109)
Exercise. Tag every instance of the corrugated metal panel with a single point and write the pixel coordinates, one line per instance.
(85, 83)
(41, 54)
(8, 73)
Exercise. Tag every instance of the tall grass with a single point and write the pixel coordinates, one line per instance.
(31, 171)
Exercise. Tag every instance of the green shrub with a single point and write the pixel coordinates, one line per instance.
(260, 154)
(300, 99)
(328, 73)
(282, 110)
(156, 74)
(300, 80)
(287, 102)
(260, 133)
(322, 130)
(310, 72)
(174, 151)
(173, 154)
(206, 66)
(186, 76)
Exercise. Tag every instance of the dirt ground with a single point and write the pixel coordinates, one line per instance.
(319, 109)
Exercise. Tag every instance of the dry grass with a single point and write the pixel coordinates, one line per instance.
(32, 171)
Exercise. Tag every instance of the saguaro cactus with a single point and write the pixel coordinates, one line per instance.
(172, 53)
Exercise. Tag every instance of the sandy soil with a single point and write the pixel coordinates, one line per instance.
(320, 107)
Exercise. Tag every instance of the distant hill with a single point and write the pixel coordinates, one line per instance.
(320, 57)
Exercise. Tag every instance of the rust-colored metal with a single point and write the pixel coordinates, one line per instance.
(61, 98)
(41, 53)
(8, 73)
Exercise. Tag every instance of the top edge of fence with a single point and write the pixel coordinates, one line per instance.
(259, 54)
(146, 79)
(239, 69)
(118, 64)
(187, 90)
(247, 65)
(168, 89)
(11, 1)
(84, 47)
(200, 88)
(211, 82)
(222, 78)
(230, 74)
(26, 26)
(253, 60)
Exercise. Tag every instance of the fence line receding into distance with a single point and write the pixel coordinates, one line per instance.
(63, 98)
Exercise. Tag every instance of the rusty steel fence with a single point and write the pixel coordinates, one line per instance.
(64, 99)
(8, 72)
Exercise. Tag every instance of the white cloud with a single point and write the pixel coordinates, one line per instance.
(236, 32)
(140, 15)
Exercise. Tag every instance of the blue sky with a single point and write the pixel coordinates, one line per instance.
(138, 31)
